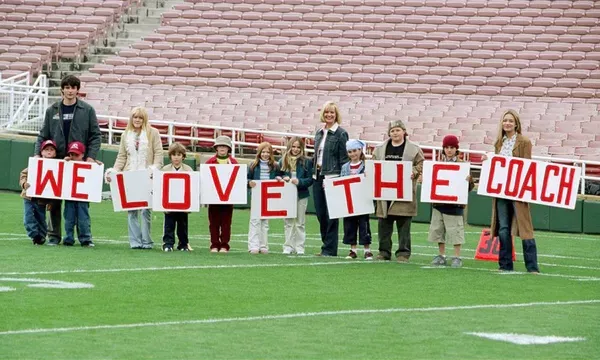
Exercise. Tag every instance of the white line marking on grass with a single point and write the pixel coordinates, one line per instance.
(297, 315)
(6, 288)
(524, 339)
(50, 284)
(191, 267)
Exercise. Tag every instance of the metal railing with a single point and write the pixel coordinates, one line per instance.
(22, 106)
(238, 142)
(238, 135)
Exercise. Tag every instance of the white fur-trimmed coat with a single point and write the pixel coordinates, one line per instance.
(149, 154)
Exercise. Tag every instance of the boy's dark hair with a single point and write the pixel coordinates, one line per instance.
(70, 80)
(177, 148)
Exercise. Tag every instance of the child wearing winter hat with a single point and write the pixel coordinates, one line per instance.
(447, 223)
(360, 223)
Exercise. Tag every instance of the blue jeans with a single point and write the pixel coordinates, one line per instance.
(77, 215)
(329, 227)
(34, 219)
(505, 211)
(139, 237)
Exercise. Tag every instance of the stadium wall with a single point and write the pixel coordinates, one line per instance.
(14, 153)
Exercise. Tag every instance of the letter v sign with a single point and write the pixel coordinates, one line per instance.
(223, 195)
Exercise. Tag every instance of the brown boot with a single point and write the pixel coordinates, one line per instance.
(402, 259)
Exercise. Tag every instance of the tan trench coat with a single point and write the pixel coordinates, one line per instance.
(412, 152)
(521, 222)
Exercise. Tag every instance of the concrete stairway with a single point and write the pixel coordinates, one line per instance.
(140, 21)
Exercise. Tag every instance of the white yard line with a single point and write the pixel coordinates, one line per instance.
(190, 267)
(296, 316)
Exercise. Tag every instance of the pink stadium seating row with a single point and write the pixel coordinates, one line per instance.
(28, 28)
(441, 47)
(565, 128)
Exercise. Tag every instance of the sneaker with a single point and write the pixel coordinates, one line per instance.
(167, 248)
(214, 250)
(456, 262)
(439, 261)
(136, 248)
(382, 257)
(368, 255)
(287, 252)
(223, 250)
(402, 259)
(351, 255)
(52, 243)
(301, 253)
(253, 252)
(85, 244)
(69, 244)
(264, 251)
(38, 240)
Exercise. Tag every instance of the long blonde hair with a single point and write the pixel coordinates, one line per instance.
(138, 111)
(261, 147)
(285, 161)
(327, 105)
(501, 133)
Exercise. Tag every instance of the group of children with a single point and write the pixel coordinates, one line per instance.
(76, 213)
(294, 166)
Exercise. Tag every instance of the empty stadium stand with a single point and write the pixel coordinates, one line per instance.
(445, 66)
(33, 33)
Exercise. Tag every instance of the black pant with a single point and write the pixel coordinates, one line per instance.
(179, 220)
(329, 227)
(386, 229)
(358, 223)
(505, 211)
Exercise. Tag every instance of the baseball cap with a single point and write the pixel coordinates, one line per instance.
(48, 142)
(76, 147)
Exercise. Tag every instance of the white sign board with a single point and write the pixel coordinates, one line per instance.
(273, 199)
(531, 181)
(348, 196)
(174, 191)
(131, 190)
(223, 183)
(445, 182)
(389, 180)
(67, 180)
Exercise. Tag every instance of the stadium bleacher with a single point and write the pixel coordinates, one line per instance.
(445, 66)
(33, 33)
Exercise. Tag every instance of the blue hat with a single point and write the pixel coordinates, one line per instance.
(354, 144)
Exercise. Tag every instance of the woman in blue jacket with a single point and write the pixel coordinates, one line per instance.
(330, 155)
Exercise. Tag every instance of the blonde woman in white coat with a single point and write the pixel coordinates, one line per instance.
(140, 149)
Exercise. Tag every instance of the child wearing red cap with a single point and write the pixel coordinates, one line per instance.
(77, 213)
(35, 208)
(447, 223)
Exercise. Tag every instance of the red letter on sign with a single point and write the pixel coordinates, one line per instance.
(566, 184)
(530, 182)
(548, 197)
(123, 194)
(224, 196)
(398, 184)
(55, 183)
(79, 179)
(516, 178)
(346, 183)
(502, 163)
(265, 196)
(187, 189)
(442, 182)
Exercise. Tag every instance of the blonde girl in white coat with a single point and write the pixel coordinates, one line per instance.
(140, 149)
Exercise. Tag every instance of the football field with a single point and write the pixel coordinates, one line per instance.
(111, 302)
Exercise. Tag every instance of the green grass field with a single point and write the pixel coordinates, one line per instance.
(134, 304)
